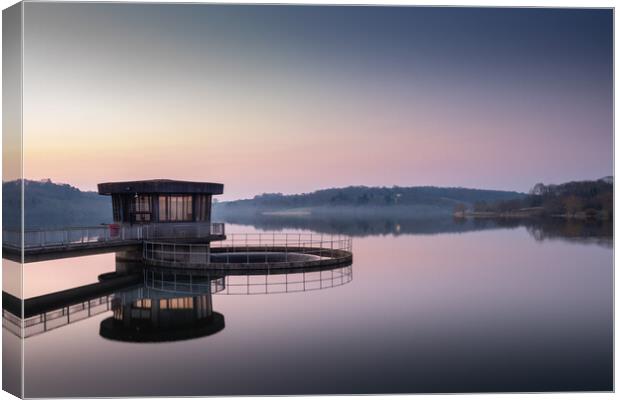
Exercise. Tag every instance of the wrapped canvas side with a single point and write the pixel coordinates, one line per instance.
(12, 199)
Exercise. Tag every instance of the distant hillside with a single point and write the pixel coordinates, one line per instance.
(422, 200)
(49, 205)
(577, 199)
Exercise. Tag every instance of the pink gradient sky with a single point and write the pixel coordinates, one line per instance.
(250, 97)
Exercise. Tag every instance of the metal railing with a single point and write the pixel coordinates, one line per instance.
(69, 237)
(250, 248)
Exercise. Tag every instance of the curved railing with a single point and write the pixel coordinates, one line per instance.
(260, 250)
(274, 283)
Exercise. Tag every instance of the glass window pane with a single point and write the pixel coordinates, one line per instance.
(175, 208)
(188, 208)
(162, 208)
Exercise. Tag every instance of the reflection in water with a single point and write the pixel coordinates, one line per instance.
(595, 231)
(598, 232)
(172, 306)
(304, 280)
(59, 317)
(146, 315)
(492, 311)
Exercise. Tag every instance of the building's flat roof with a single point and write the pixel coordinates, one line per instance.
(163, 186)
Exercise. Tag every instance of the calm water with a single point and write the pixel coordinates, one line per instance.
(475, 308)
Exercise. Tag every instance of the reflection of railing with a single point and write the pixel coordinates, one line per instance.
(249, 284)
(274, 249)
(77, 237)
(164, 285)
(181, 284)
(287, 283)
(54, 319)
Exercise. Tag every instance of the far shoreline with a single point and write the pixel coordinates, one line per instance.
(535, 212)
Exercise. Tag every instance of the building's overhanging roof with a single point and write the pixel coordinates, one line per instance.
(163, 186)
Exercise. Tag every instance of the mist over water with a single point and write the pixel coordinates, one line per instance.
(432, 306)
(368, 223)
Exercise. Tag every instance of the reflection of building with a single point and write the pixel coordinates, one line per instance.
(161, 200)
(146, 315)
(158, 305)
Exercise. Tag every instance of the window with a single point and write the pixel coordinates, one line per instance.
(176, 303)
(143, 203)
(175, 208)
(203, 207)
(142, 208)
(116, 208)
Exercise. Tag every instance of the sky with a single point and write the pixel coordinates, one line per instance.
(296, 98)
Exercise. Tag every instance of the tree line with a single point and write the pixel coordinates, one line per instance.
(586, 199)
(376, 196)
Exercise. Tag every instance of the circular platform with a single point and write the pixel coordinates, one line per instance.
(243, 252)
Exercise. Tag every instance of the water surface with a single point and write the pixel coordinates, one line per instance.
(491, 308)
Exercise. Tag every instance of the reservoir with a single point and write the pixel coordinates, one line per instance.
(462, 307)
